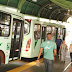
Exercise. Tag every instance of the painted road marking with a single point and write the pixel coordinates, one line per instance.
(17, 61)
(21, 68)
(67, 67)
(14, 61)
(70, 70)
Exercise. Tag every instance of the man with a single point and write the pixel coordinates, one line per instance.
(49, 48)
(59, 41)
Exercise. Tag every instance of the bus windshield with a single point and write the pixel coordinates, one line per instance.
(27, 27)
(4, 24)
(48, 29)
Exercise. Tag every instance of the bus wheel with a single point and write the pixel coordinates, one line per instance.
(2, 57)
(0, 60)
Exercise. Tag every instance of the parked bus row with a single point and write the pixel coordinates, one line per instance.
(21, 38)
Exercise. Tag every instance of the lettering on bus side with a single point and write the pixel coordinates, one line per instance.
(0, 44)
(8, 46)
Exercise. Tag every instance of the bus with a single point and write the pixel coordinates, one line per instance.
(35, 33)
(20, 37)
(11, 35)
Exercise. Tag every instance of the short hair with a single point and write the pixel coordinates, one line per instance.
(49, 34)
(58, 36)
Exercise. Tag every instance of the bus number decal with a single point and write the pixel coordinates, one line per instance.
(8, 46)
(35, 43)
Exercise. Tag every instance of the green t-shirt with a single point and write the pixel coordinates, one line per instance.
(49, 47)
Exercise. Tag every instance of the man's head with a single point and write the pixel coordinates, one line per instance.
(58, 37)
(49, 36)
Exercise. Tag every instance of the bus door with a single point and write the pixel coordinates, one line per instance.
(43, 34)
(56, 33)
(64, 33)
(16, 39)
(37, 35)
(61, 33)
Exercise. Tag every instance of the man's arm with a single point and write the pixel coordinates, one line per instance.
(37, 62)
(55, 52)
(41, 49)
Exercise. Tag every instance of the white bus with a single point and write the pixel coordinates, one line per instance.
(35, 33)
(19, 38)
(11, 33)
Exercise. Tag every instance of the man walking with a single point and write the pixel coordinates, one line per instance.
(49, 48)
(59, 41)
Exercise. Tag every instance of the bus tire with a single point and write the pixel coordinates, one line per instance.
(0, 60)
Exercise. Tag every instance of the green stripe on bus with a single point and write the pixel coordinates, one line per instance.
(0, 44)
(8, 46)
(35, 43)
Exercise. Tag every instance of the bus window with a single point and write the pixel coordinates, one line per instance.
(26, 28)
(18, 28)
(53, 33)
(44, 33)
(48, 29)
(4, 24)
(37, 31)
(61, 33)
(64, 33)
